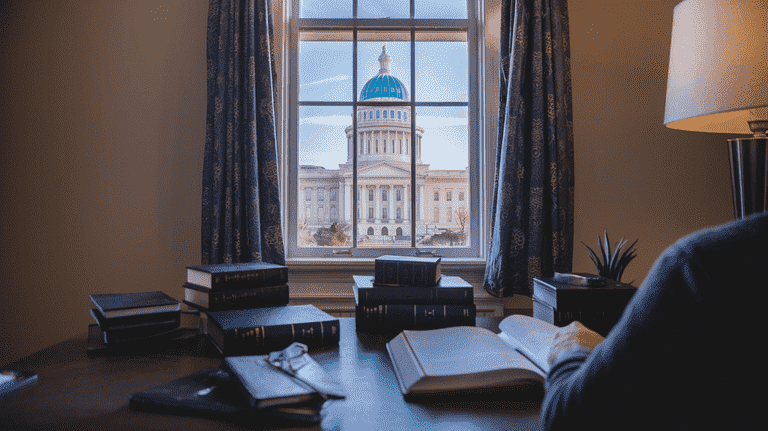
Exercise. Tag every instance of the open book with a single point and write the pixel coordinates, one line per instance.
(470, 358)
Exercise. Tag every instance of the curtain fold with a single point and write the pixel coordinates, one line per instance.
(241, 207)
(532, 214)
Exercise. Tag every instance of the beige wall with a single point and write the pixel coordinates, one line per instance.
(102, 128)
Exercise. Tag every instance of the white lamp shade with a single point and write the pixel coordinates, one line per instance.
(718, 66)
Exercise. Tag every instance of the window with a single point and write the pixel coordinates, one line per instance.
(384, 231)
(335, 63)
(307, 194)
(448, 195)
(321, 194)
(436, 215)
(399, 213)
(461, 196)
(384, 213)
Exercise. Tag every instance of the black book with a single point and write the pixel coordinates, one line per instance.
(136, 321)
(208, 300)
(215, 393)
(12, 381)
(112, 305)
(228, 276)
(177, 338)
(449, 290)
(262, 330)
(265, 386)
(394, 318)
(406, 271)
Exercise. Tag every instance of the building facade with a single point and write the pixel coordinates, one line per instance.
(384, 176)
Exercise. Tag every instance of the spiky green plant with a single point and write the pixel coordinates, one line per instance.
(612, 265)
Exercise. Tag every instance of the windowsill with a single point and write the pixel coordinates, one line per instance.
(327, 283)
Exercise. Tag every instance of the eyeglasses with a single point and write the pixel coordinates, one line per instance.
(291, 360)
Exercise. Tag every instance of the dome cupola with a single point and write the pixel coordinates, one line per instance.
(384, 85)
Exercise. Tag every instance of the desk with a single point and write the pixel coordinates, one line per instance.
(78, 392)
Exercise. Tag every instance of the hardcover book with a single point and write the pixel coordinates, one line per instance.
(262, 330)
(406, 271)
(472, 359)
(449, 290)
(136, 321)
(208, 300)
(112, 305)
(265, 386)
(177, 338)
(12, 381)
(393, 318)
(215, 393)
(228, 276)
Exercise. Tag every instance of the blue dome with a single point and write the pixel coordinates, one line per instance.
(384, 84)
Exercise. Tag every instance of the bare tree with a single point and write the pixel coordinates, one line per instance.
(305, 238)
(462, 216)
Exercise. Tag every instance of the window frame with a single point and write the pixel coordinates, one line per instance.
(482, 72)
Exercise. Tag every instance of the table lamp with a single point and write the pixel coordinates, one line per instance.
(718, 83)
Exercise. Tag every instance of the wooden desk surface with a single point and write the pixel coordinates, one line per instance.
(79, 392)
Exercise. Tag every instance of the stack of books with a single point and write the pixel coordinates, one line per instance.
(132, 319)
(410, 293)
(246, 309)
(234, 286)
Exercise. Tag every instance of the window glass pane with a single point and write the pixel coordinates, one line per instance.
(325, 71)
(383, 9)
(442, 71)
(326, 9)
(383, 67)
(447, 9)
(444, 162)
(384, 160)
(324, 154)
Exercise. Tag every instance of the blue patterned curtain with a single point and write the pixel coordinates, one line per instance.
(241, 205)
(532, 217)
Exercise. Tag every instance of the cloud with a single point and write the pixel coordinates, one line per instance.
(328, 120)
(336, 78)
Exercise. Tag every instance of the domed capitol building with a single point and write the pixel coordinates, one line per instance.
(384, 175)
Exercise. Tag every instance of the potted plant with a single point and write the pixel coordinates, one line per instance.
(612, 264)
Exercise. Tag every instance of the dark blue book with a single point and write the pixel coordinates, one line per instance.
(216, 393)
(406, 271)
(12, 381)
(256, 297)
(394, 318)
(228, 276)
(112, 305)
(262, 330)
(137, 321)
(449, 290)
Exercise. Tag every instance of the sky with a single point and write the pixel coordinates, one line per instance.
(325, 74)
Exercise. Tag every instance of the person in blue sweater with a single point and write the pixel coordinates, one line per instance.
(688, 351)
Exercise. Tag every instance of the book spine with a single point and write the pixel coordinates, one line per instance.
(406, 273)
(265, 339)
(248, 279)
(396, 317)
(426, 296)
(248, 298)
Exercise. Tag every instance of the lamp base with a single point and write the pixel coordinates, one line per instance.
(749, 175)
